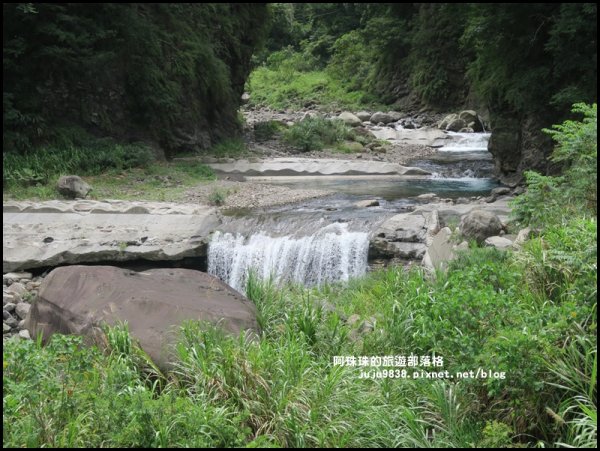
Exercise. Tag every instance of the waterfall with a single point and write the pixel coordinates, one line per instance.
(466, 142)
(331, 254)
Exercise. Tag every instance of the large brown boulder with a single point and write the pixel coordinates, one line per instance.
(78, 299)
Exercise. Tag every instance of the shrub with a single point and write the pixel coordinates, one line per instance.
(550, 200)
(352, 61)
(315, 133)
(263, 131)
(218, 196)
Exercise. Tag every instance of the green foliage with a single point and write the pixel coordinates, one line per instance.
(577, 148)
(157, 71)
(263, 131)
(577, 369)
(541, 203)
(551, 200)
(158, 181)
(295, 89)
(496, 435)
(437, 62)
(560, 264)
(315, 133)
(229, 148)
(42, 165)
(218, 197)
(532, 58)
(352, 61)
(522, 55)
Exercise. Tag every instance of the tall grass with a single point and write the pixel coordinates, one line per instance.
(281, 388)
(43, 164)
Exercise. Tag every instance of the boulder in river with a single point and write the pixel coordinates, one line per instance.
(363, 115)
(456, 125)
(350, 119)
(472, 120)
(449, 118)
(384, 118)
(479, 225)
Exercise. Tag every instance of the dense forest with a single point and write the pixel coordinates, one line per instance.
(173, 74)
(169, 74)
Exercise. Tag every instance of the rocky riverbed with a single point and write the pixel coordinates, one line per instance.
(101, 231)
(18, 290)
(249, 194)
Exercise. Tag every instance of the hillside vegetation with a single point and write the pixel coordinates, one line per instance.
(169, 75)
(522, 66)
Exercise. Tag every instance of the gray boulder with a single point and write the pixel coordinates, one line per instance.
(350, 119)
(363, 115)
(456, 125)
(479, 225)
(440, 252)
(384, 118)
(472, 120)
(500, 191)
(449, 118)
(78, 299)
(22, 309)
(367, 203)
(404, 236)
(73, 187)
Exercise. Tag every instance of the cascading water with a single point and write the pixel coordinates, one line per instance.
(331, 254)
(464, 156)
(282, 243)
(466, 142)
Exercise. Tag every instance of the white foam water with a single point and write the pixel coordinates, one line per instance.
(466, 142)
(329, 255)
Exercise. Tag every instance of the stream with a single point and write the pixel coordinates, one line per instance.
(327, 239)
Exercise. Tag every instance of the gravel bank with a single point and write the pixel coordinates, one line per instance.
(250, 194)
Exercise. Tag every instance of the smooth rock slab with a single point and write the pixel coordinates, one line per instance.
(54, 233)
(307, 166)
(78, 299)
